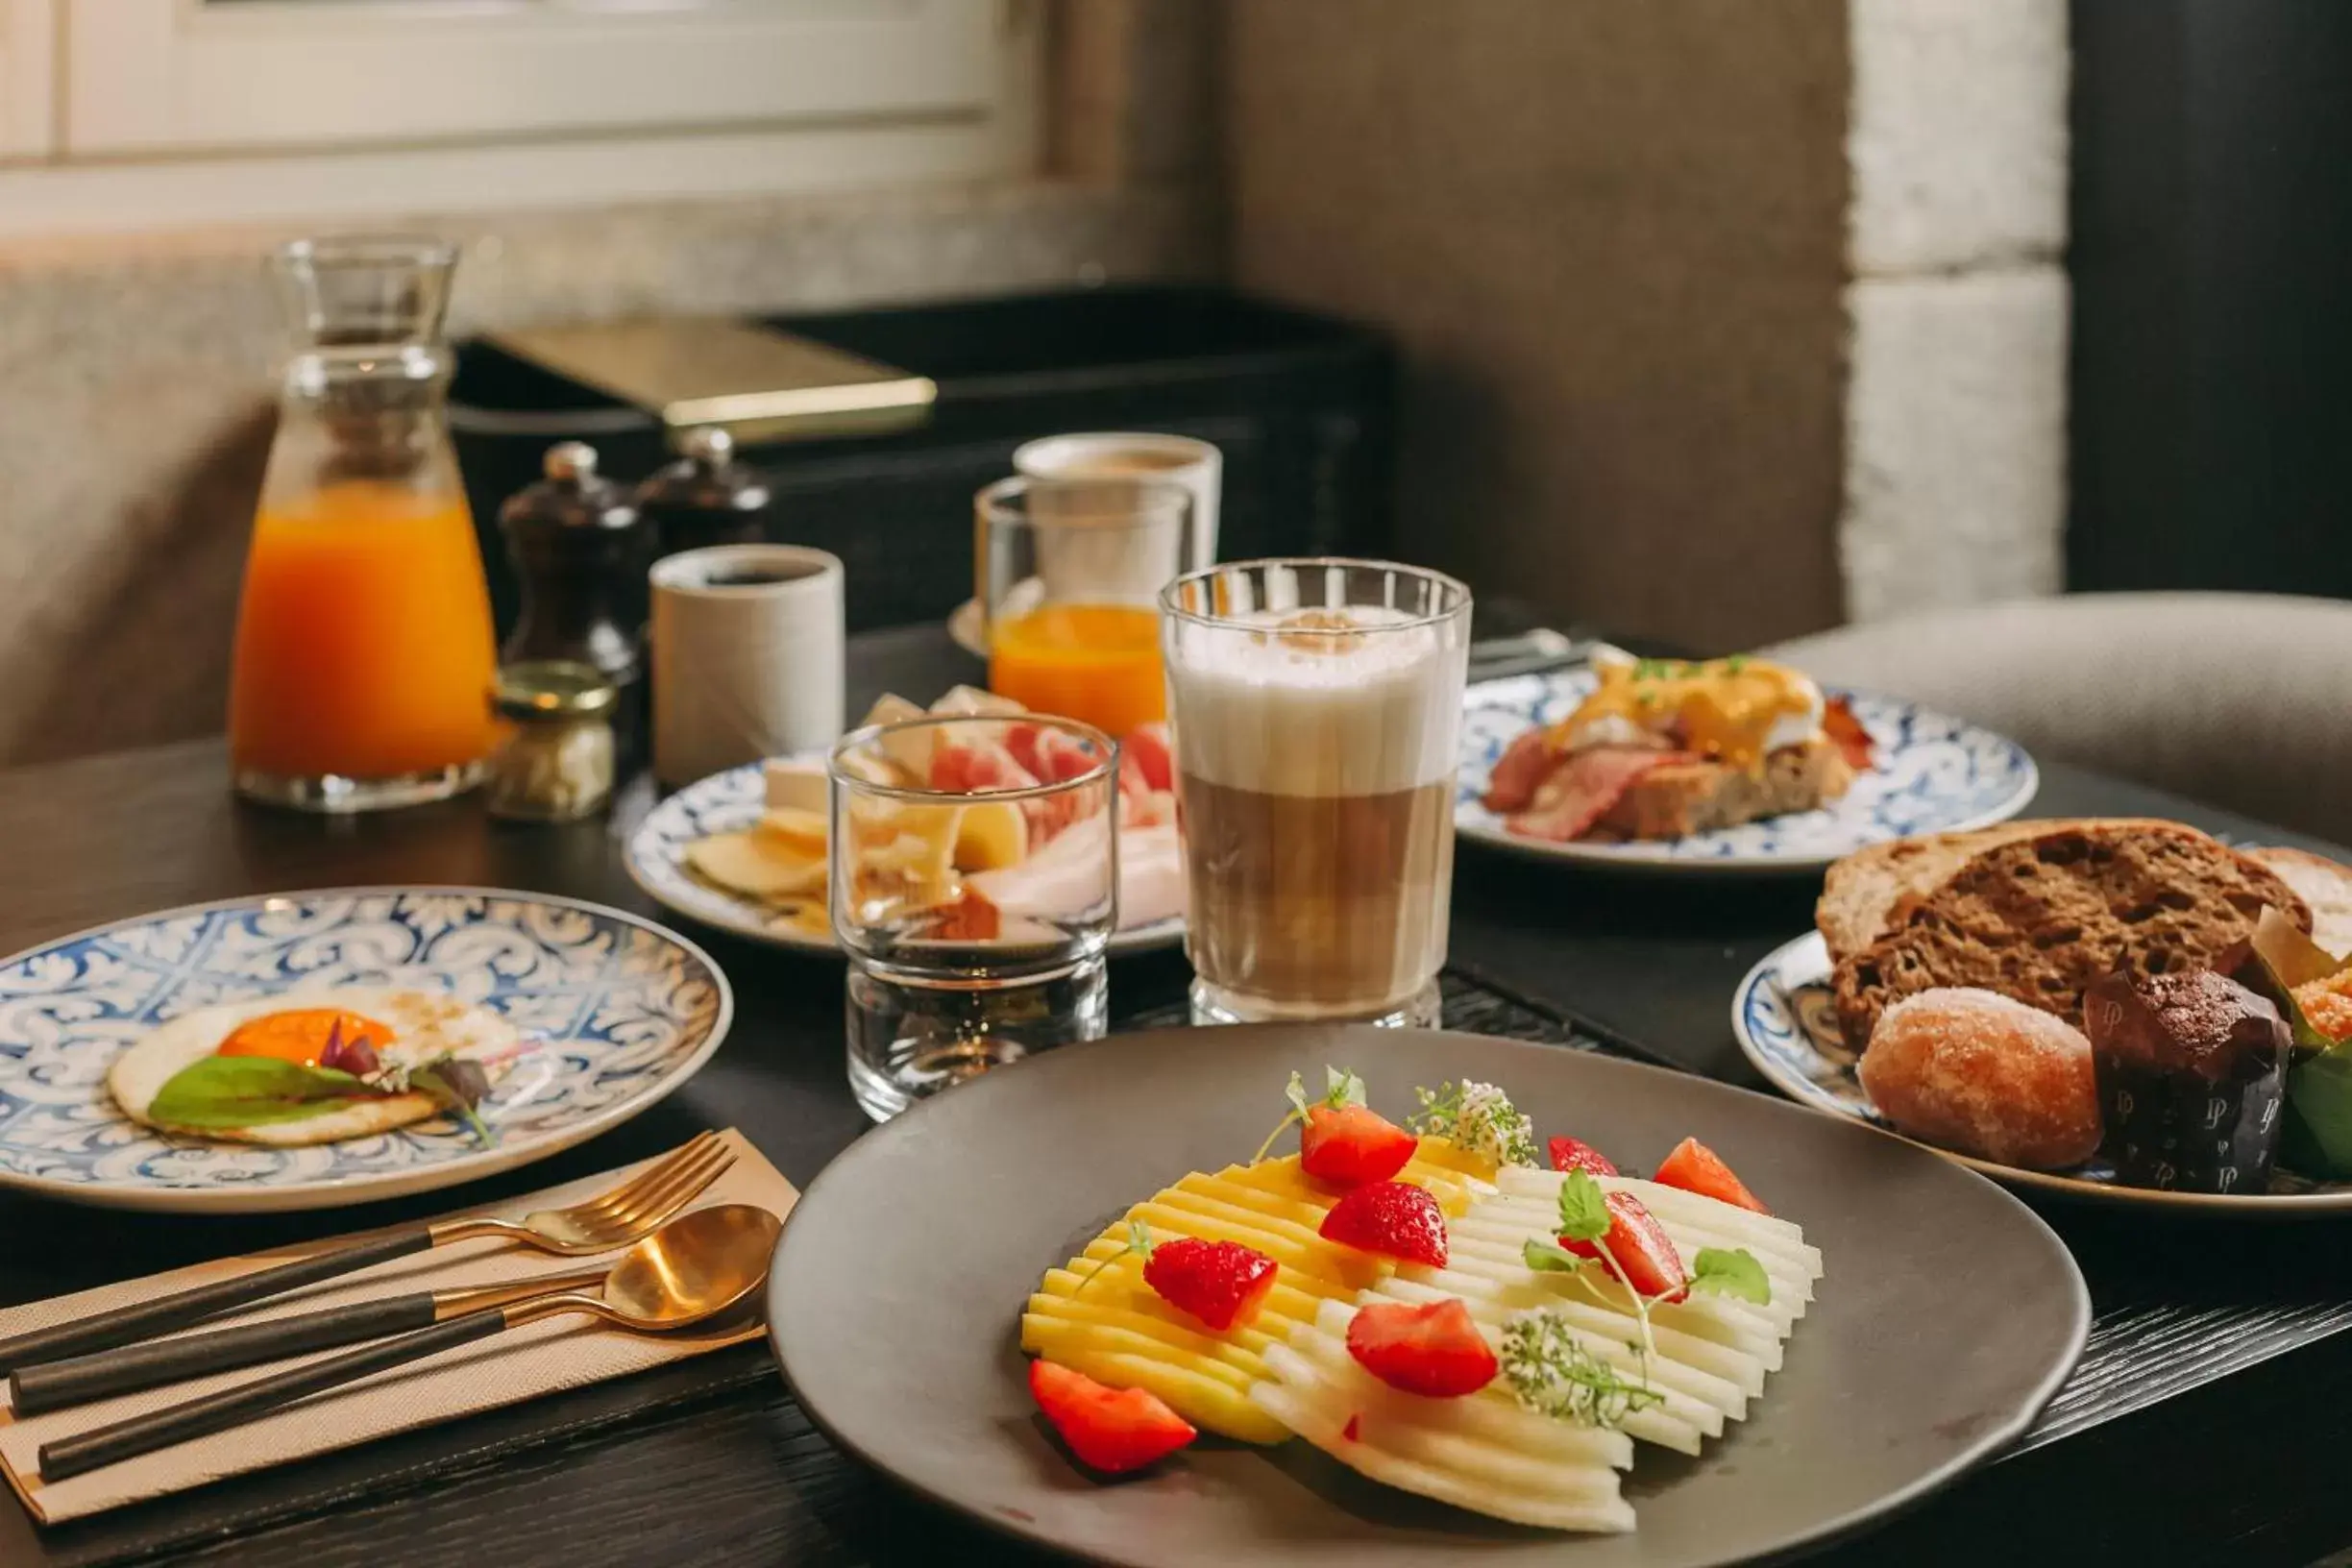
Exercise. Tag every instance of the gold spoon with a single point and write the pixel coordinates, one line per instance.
(691, 1270)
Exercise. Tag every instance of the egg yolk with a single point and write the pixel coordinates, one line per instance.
(301, 1034)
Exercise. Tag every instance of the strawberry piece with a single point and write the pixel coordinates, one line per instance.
(1396, 1219)
(1113, 1429)
(1432, 1350)
(1062, 756)
(1575, 1154)
(971, 918)
(1639, 1245)
(1221, 1283)
(1351, 1144)
(1150, 755)
(1350, 1431)
(1694, 1167)
(969, 767)
(1020, 744)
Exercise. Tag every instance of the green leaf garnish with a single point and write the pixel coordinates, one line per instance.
(1549, 1257)
(1551, 1372)
(1583, 1207)
(1731, 1271)
(218, 1092)
(1477, 1117)
(1341, 1090)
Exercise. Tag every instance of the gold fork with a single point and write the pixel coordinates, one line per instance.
(620, 1217)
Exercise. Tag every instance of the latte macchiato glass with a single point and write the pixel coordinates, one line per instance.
(1316, 706)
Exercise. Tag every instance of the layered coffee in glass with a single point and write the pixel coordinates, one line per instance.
(1316, 706)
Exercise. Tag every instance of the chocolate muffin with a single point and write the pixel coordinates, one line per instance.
(2192, 1070)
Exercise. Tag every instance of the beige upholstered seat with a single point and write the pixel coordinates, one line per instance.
(2243, 700)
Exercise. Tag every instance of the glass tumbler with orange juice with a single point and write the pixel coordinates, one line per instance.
(364, 656)
(1069, 575)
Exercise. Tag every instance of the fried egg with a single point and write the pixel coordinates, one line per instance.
(403, 1027)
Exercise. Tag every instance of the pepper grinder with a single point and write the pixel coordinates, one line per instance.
(579, 548)
(705, 498)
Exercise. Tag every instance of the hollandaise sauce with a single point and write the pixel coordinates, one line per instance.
(1722, 708)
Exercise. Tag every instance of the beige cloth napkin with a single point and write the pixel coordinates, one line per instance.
(506, 1369)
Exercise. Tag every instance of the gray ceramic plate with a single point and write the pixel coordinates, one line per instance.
(1949, 1313)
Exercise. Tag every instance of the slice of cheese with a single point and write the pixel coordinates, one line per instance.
(796, 785)
(746, 863)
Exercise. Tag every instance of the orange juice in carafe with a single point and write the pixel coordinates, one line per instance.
(363, 645)
(364, 656)
(1097, 663)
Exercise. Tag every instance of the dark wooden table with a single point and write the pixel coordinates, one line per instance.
(2240, 1470)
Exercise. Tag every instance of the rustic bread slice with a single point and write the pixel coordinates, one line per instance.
(2039, 917)
(1862, 890)
(1700, 796)
(1865, 891)
(2321, 883)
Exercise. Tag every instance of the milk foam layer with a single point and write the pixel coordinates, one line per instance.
(1301, 716)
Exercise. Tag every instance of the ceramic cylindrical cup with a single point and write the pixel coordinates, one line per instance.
(1136, 455)
(747, 649)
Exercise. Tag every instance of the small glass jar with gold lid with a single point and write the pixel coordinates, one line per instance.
(556, 760)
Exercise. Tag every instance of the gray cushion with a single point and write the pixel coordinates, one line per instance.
(2243, 700)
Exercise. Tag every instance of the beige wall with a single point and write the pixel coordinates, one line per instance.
(135, 374)
(1609, 238)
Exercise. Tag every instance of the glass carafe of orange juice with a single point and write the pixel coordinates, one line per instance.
(1069, 577)
(364, 652)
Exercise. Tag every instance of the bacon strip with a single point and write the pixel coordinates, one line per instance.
(1582, 789)
(1839, 723)
(1517, 772)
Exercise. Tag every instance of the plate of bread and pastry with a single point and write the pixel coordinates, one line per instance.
(1716, 766)
(2120, 1009)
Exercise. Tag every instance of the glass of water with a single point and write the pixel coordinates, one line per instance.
(975, 904)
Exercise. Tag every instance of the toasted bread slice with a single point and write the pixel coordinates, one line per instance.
(1864, 892)
(2039, 915)
(1700, 796)
(2321, 883)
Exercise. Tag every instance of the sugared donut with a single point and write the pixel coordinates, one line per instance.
(1977, 1072)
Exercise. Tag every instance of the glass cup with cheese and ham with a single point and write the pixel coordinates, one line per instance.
(974, 881)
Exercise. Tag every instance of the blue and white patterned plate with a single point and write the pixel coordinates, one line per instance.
(617, 1013)
(1934, 773)
(729, 802)
(1787, 1026)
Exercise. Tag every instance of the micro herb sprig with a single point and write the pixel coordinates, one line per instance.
(1477, 1117)
(1342, 1089)
(1551, 1373)
(1139, 1242)
(1584, 1216)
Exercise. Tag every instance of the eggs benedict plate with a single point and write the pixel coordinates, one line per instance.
(312, 1049)
(1737, 763)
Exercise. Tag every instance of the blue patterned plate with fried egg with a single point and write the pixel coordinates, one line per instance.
(1786, 1022)
(612, 1014)
(1931, 773)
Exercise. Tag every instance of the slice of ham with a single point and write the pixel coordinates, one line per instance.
(1511, 785)
(1579, 791)
(1839, 723)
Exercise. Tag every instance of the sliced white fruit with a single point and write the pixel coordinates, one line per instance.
(742, 863)
(1482, 1452)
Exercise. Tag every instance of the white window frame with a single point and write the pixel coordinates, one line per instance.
(144, 114)
(28, 62)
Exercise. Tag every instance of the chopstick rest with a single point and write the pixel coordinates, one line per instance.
(127, 1369)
